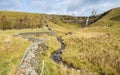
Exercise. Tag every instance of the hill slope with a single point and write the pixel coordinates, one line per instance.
(95, 49)
(23, 20)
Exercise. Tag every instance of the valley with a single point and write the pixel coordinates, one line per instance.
(69, 47)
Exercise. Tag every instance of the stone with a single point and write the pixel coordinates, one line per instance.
(33, 73)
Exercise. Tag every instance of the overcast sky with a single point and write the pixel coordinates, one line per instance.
(64, 7)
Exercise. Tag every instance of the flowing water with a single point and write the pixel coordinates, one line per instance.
(87, 21)
(56, 57)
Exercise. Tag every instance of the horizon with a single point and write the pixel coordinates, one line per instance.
(59, 7)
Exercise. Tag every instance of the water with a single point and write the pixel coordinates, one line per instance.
(87, 21)
(57, 55)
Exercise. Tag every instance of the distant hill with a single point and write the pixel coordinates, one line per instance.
(24, 20)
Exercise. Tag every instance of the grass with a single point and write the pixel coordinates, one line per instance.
(11, 53)
(52, 68)
(12, 50)
(18, 14)
(94, 54)
(96, 48)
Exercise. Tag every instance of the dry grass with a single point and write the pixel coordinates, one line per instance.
(12, 50)
(52, 68)
(95, 54)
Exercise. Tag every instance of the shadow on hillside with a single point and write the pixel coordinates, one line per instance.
(116, 18)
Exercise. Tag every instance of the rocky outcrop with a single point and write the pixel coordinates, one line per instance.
(80, 20)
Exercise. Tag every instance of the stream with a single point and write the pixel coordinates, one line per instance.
(57, 57)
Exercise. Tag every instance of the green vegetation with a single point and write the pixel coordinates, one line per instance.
(11, 51)
(16, 20)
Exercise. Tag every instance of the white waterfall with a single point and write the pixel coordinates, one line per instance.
(87, 21)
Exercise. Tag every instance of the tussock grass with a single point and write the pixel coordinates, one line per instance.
(11, 51)
(100, 55)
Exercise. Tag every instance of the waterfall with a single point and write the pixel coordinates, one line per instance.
(87, 21)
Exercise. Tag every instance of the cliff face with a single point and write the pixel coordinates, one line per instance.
(75, 20)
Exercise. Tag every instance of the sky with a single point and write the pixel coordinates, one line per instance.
(61, 7)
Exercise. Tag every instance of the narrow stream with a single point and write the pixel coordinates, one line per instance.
(57, 55)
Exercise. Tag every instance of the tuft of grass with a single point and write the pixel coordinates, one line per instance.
(92, 54)
(11, 53)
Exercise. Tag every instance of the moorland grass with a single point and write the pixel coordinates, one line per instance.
(12, 50)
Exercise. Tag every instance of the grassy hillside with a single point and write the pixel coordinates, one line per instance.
(95, 48)
(24, 20)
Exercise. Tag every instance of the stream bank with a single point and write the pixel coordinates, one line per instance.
(57, 57)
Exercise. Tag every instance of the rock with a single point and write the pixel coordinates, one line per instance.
(33, 73)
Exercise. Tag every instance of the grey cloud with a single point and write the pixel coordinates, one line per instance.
(69, 7)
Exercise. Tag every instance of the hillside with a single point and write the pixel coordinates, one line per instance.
(24, 20)
(94, 50)
(97, 47)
